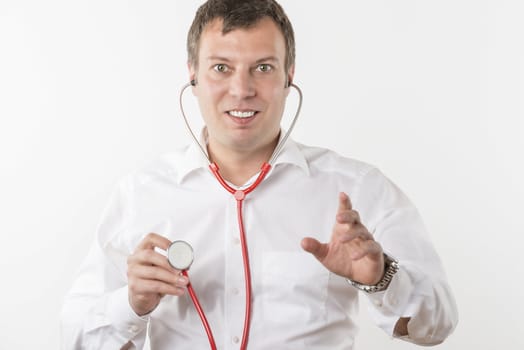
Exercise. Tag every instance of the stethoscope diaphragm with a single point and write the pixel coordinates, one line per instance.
(180, 255)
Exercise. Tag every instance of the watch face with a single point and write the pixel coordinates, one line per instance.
(180, 255)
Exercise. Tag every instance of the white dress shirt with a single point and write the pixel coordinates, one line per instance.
(296, 302)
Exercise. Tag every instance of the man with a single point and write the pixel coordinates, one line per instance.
(304, 289)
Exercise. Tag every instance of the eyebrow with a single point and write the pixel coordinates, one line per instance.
(269, 58)
(217, 58)
(225, 59)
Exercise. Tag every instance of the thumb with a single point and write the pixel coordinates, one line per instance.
(311, 245)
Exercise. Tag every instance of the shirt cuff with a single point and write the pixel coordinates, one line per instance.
(386, 307)
(396, 297)
(123, 317)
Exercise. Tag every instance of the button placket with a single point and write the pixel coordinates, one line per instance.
(234, 278)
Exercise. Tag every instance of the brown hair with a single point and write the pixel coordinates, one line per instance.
(239, 14)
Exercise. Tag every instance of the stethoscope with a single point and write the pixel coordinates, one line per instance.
(180, 253)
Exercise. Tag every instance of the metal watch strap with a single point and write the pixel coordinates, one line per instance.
(391, 267)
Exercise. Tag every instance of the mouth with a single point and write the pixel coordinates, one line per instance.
(242, 114)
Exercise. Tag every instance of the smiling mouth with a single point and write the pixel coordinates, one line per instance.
(242, 114)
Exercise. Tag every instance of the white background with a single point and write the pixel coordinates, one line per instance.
(432, 92)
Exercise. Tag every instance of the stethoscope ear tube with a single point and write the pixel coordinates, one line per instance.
(279, 146)
(188, 127)
(283, 140)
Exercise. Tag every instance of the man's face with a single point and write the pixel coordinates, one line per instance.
(240, 88)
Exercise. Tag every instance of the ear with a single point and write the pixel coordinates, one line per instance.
(290, 75)
(192, 75)
(289, 78)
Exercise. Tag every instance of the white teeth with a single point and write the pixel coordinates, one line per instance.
(239, 114)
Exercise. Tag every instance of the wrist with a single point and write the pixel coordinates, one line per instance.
(391, 266)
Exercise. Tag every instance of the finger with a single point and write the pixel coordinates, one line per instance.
(141, 287)
(360, 233)
(150, 257)
(344, 203)
(348, 217)
(153, 240)
(311, 245)
(145, 272)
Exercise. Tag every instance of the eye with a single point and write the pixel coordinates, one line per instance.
(264, 67)
(221, 68)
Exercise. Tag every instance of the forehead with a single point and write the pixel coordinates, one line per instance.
(263, 39)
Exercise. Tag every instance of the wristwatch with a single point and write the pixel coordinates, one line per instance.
(391, 267)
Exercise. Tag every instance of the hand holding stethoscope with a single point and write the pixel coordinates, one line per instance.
(150, 276)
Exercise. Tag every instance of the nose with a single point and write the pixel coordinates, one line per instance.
(242, 85)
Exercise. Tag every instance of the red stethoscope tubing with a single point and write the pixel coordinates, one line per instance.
(200, 313)
(239, 195)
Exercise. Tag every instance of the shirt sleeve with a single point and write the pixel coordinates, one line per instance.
(419, 289)
(96, 313)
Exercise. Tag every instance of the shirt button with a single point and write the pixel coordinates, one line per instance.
(378, 303)
(133, 328)
(235, 291)
(236, 339)
(236, 241)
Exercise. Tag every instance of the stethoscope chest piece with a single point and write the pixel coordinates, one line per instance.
(180, 255)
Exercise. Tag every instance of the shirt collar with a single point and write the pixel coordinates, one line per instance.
(193, 159)
(291, 154)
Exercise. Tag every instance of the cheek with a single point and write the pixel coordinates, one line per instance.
(278, 98)
(209, 95)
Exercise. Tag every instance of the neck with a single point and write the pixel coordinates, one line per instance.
(238, 167)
